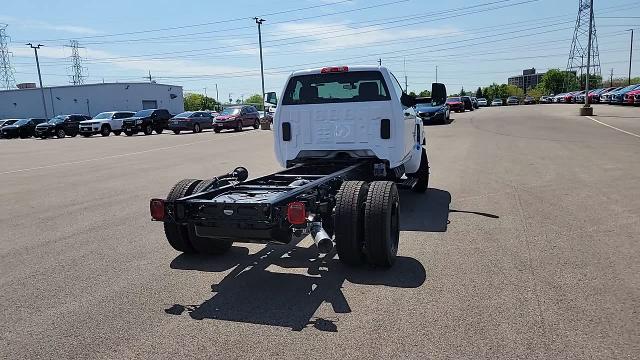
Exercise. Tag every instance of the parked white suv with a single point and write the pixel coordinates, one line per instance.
(105, 123)
(354, 112)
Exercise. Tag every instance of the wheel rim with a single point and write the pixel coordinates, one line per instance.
(105, 131)
(148, 129)
(196, 128)
(61, 133)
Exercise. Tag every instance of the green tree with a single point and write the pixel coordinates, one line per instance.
(479, 93)
(194, 101)
(556, 81)
(255, 99)
(513, 90)
(537, 92)
(462, 92)
(412, 93)
(425, 93)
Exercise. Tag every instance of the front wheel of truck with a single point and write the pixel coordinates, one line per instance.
(178, 235)
(422, 175)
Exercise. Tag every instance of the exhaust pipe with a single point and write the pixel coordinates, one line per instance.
(321, 238)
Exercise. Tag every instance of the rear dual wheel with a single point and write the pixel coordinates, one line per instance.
(367, 223)
(180, 237)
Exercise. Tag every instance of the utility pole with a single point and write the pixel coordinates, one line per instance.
(611, 79)
(218, 101)
(259, 21)
(205, 100)
(35, 50)
(436, 73)
(630, 54)
(149, 77)
(406, 83)
(380, 62)
(587, 109)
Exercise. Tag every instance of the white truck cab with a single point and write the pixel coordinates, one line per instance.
(355, 111)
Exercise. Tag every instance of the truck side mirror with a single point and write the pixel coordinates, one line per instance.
(271, 98)
(438, 93)
(408, 100)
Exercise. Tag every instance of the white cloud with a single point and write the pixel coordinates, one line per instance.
(335, 36)
(37, 24)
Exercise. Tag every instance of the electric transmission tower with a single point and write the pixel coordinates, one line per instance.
(577, 63)
(7, 81)
(77, 76)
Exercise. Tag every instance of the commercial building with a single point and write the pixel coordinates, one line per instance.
(89, 99)
(528, 80)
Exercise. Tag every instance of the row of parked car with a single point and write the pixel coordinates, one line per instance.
(624, 95)
(131, 123)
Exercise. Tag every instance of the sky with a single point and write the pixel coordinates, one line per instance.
(199, 44)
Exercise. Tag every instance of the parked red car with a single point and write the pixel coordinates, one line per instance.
(632, 97)
(455, 104)
(237, 117)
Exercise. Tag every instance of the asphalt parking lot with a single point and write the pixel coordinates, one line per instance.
(525, 246)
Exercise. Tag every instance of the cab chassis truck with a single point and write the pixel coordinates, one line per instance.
(344, 199)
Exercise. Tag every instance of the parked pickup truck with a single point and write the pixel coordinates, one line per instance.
(105, 123)
(147, 121)
(348, 138)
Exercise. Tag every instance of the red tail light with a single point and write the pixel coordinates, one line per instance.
(156, 207)
(334, 69)
(296, 213)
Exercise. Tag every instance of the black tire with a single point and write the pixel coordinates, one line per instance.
(196, 128)
(239, 126)
(382, 223)
(178, 235)
(117, 132)
(128, 133)
(349, 222)
(203, 184)
(105, 131)
(86, 135)
(256, 124)
(422, 174)
(43, 137)
(148, 129)
(60, 133)
(177, 132)
(210, 246)
(216, 130)
(159, 131)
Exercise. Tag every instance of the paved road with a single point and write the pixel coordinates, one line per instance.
(526, 246)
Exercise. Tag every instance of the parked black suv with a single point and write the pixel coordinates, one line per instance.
(61, 126)
(147, 121)
(23, 128)
(468, 104)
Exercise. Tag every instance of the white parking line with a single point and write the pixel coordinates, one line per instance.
(116, 156)
(613, 127)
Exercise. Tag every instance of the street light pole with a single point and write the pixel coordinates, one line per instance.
(259, 21)
(630, 55)
(35, 50)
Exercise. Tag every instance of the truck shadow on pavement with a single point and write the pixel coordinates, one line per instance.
(285, 285)
(428, 212)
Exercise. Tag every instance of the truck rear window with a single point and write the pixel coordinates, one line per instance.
(354, 86)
